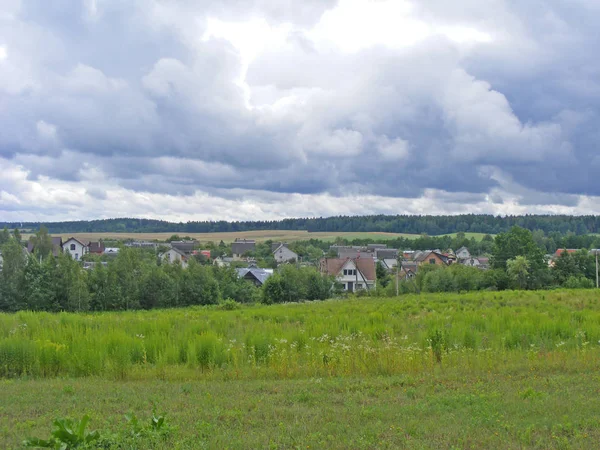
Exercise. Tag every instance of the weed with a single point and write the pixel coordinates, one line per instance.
(67, 434)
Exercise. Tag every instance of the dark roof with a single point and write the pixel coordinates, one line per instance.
(376, 246)
(96, 247)
(184, 246)
(57, 244)
(260, 275)
(276, 245)
(241, 246)
(386, 253)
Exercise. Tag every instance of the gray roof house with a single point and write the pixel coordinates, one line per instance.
(185, 246)
(463, 253)
(242, 246)
(283, 254)
(57, 244)
(386, 253)
(173, 255)
(255, 275)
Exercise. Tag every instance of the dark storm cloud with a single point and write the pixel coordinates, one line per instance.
(132, 90)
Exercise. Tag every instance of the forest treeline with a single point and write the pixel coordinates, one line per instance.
(431, 225)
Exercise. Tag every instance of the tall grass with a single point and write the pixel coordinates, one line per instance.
(411, 334)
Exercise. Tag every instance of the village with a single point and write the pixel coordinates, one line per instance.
(354, 267)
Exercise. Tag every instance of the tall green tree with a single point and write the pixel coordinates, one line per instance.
(4, 236)
(42, 243)
(11, 276)
(518, 270)
(517, 242)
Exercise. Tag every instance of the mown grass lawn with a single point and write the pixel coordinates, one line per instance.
(480, 370)
(558, 409)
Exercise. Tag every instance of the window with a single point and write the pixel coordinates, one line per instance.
(432, 261)
(72, 246)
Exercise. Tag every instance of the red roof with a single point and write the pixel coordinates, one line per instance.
(560, 251)
(366, 265)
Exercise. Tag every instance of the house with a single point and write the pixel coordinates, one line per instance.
(408, 270)
(77, 248)
(96, 248)
(255, 275)
(186, 247)
(386, 253)
(174, 255)
(560, 251)
(431, 257)
(462, 253)
(389, 264)
(283, 254)
(141, 244)
(242, 246)
(223, 261)
(353, 273)
(57, 246)
(375, 247)
(111, 251)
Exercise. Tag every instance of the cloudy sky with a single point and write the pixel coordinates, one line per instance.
(263, 109)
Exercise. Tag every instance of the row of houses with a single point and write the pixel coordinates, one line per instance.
(77, 248)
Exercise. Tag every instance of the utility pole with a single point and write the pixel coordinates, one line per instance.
(397, 275)
(595, 252)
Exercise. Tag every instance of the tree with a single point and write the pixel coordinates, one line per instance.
(17, 235)
(11, 276)
(518, 270)
(517, 242)
(42, 243)
(4, 236)
(383, 278)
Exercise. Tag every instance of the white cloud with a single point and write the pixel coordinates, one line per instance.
(275, 108)
(393, 150)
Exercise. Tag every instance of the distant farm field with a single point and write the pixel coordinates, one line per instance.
(281, 235)
(481, 370)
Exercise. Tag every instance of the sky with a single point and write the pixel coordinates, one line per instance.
(265, 109)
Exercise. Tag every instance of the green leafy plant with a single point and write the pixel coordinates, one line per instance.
(157, 424)
(67, 434)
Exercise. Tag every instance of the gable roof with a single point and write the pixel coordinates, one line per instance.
(261, 275)
(96, 247)
(83, 242)
(425, 255)
(366, 266)
(57, 244)
(174, 249)
(184, 246)
(241, 246)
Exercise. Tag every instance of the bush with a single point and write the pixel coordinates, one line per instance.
(229, 305)
(579, 283)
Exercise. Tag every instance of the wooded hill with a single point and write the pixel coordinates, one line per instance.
(431, 225)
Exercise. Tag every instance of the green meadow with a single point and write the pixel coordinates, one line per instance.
(480, 370)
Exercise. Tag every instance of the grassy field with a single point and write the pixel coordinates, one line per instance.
(276, 235)
(483, 370)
